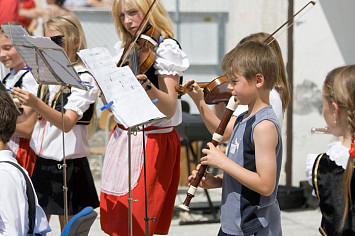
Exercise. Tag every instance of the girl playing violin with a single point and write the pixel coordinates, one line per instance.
(162, 143)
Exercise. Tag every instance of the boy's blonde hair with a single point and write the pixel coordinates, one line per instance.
(159, 19)
(250, 58)
(282, 86)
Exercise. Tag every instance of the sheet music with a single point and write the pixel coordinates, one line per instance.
(131, 104)
(49, 63)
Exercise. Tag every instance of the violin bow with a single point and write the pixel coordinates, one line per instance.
(138, 32)
(288, 21)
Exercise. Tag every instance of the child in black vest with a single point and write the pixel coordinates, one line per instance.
(46, 138)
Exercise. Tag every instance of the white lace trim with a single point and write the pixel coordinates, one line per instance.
(338, 153)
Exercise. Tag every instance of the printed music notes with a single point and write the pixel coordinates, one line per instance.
(131, 104)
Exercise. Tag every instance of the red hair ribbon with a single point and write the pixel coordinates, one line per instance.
(352, 149)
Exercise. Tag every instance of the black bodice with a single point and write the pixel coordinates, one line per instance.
(328, 185)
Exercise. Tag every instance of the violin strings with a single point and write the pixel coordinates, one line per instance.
(134, 58)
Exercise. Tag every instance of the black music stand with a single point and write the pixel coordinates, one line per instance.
(49, 64)
(130, 104)
(192, 129)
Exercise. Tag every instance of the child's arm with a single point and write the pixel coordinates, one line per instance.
(210, 119)
(264, 179)
(26, 122)
(52, 115)
(33, 13)
(166, 94)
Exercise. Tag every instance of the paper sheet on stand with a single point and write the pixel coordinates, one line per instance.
(55, 66)
(131, 104)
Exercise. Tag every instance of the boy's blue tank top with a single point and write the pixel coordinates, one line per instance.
(243, 211)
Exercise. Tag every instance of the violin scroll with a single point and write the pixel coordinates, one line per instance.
(182, 89)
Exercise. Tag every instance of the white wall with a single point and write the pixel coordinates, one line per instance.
(323, 40)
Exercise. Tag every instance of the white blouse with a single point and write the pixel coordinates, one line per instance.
(170, 60)
(46, 140)
(29, 84)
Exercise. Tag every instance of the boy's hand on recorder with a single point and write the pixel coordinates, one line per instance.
(208, 181)
(214, 157)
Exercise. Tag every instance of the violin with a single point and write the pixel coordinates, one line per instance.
(214, 92)
(217, 136)
(145, 47)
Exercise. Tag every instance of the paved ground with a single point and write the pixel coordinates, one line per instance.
(294, 223)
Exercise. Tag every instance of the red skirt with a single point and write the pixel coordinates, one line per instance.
(163, 174)
(25, 156)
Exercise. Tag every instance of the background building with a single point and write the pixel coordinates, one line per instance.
(207, 29)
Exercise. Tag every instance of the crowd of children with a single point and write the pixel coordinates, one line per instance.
(250, 166)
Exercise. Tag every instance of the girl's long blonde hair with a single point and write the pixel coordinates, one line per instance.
(159, 19)
(339, 87)
(74, 37)
(74, 41)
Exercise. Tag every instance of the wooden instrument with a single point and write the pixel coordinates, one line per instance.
(147, 49)
(215, 91)
(216, 139)
(217, 136)
(324, 130)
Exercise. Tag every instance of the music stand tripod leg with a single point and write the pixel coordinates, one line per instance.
(64, 166)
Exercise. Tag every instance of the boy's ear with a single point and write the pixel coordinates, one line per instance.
(260, 80)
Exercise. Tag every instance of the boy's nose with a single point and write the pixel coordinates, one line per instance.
(230, 87)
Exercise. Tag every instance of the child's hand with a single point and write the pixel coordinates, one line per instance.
(25, 97)
(214, 157)
(195, 92)
(208, 180)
